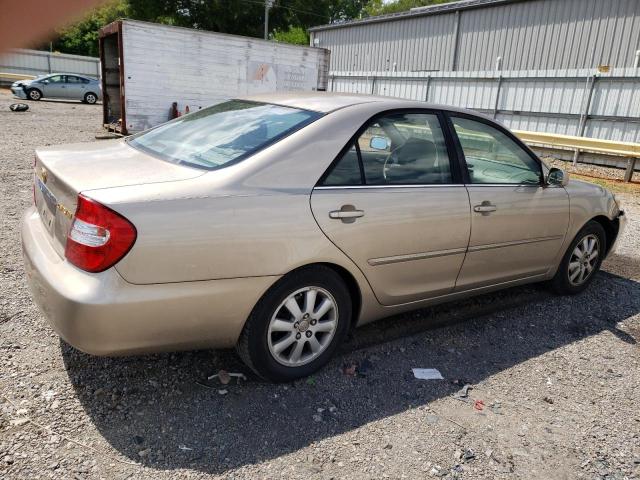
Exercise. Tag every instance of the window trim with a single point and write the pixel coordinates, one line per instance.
(456, 172)
(463, 161)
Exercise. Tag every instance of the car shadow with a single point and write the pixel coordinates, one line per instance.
(163, 406)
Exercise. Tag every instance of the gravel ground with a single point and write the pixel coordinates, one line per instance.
(555, 380)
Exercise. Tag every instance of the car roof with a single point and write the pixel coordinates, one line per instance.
(326, 102)
(81, 75)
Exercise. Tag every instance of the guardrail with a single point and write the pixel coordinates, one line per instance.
(8, 78)
(629, 150)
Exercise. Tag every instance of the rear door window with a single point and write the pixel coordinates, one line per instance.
(395, 149)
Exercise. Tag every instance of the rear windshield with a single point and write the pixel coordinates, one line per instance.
(222, 134)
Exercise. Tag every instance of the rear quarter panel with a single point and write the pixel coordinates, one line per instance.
(194, 239)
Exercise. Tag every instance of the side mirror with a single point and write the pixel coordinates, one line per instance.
(378, 143)
(557, 176)
(45, 82)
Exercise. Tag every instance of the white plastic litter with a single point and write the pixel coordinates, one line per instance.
(427, 374)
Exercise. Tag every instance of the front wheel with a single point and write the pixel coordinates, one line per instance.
(297, 325)
(34, 94)
(581, 261)
(90, 98)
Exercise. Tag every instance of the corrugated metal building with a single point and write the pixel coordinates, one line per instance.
(472, 35)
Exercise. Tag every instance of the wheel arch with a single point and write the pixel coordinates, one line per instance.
(347, 277)
(352, 286)
(611, 229)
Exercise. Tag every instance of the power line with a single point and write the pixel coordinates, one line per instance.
(258, 2)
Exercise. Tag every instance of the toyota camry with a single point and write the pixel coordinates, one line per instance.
(277, 223)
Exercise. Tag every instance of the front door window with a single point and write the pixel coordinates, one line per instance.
(492, 157)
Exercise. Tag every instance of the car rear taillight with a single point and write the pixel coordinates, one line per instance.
(99, 237)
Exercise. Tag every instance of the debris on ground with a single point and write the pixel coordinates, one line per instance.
(468, 455)
(427, 374)
(18, 107)
(478, 404)
(224, 377)
(350, 369)
(357, 369)
(463, 392)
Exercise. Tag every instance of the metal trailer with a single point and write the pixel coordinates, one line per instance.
(147, 67)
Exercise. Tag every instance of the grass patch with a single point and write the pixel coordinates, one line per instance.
(616, 186)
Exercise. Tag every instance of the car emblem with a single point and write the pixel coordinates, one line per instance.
(64, 210)
(43, 175)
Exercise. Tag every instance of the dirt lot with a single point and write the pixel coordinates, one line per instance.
(555, 380)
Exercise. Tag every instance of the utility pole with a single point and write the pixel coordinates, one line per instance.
(267, 6)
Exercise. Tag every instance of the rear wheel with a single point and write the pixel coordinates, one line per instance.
(90, 98)
(297, 326)
(34, 94)
(581, 261)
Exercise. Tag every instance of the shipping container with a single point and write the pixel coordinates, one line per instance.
(147, 67)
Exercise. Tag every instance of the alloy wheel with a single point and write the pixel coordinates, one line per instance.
(584, 259)
(302, 326)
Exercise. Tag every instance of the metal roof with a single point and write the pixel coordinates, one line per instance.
(416, 12)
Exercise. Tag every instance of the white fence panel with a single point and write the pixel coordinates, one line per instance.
(36, 62)
(569, 102)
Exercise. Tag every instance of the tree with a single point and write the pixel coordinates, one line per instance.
(378, 7)
(295, 35)
(288, 19)
(82, 38)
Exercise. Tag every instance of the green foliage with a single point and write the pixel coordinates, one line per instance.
(378, 7)
(288, 19)
(295, 35)
(82, 37)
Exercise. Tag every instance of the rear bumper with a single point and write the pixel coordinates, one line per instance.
(102, 314)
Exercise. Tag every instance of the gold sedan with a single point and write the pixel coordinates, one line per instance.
(277, 223)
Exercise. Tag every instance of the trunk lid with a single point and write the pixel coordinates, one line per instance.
(62, 172)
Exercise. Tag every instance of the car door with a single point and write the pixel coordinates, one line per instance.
(393, 202)
(54, 86)
(518, 224)
(75, 87)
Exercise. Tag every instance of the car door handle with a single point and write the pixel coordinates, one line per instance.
(485, 208)
(347, 213)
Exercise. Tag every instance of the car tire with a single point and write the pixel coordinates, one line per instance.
(577, 269)
(34, 94)
(90, 98)
(319, 329)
